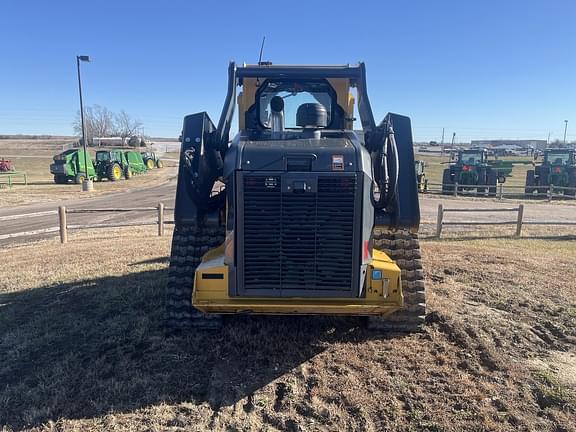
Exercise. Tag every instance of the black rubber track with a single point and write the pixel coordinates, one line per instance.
(189, 244)
(404, 248)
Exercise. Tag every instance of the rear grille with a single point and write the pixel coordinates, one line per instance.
(298, 243)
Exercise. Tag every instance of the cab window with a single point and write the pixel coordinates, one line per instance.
(294, 94)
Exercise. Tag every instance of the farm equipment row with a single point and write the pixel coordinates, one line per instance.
(558, 168)
(472, 171)
(109, 164)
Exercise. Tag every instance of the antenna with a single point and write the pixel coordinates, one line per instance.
(261, 50)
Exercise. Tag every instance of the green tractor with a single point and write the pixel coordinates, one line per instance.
(472, 169)
(421, 179)
(558, 168)
(151, 159)
(70, 166)
(115, 164)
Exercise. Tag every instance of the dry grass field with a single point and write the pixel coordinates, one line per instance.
(34, 147)
(82, 347)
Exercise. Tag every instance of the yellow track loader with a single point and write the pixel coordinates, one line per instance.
(298, 213)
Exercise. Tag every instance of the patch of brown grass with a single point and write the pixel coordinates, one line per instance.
(83, 347)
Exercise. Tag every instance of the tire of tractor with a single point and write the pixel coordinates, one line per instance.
(159, 164)
(189, 244)
(543, 181)
(404, 248)
(128, 173)
(60, 179)
(79, 179)
(571, 184)
(150, 164)
(492, 180)
(530, 182)
(112, 172)
(447, 185)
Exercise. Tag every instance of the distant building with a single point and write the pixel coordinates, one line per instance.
(539, 144)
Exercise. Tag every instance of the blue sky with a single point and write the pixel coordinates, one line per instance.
(484, 69)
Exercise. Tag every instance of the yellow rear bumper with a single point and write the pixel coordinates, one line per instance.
(211, 293)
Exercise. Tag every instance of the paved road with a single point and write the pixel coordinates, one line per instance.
(150, 196)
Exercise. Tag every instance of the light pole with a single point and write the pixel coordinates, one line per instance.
(87, 184)
(565, 128)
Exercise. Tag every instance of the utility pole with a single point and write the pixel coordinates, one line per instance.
(442, 140)
(565, 129)
(453, 139)
(87, 184)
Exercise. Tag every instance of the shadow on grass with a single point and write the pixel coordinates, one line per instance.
(81, 350)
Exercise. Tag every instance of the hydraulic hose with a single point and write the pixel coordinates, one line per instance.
(386, 168)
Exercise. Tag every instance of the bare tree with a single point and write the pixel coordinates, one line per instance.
(125, 126)
(98, 121)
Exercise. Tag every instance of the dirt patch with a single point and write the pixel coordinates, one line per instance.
(82, 347)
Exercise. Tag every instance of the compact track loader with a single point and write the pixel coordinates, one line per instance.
(298, 214)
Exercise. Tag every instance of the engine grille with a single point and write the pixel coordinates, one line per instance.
(298, 244)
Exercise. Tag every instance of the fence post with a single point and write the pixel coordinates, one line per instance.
(456, 189)
(160, 219)
(519, 221)
(500, 190)
(550, 192)
(63, 225)
(439, 220)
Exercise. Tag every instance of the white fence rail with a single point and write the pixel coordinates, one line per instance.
(518, 221)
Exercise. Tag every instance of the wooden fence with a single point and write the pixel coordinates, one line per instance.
(7, 178)
(501, 191)
(160, 221)
(519, 221)
(63, 227)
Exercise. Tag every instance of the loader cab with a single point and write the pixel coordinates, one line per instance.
(268, 106)
(107, 156)
(559, 157)
(472, 157)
